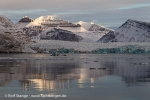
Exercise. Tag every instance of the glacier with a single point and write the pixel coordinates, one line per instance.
(49, 46)
(127, 49)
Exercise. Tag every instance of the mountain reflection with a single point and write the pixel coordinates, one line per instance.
(49, 76)
(131, 73)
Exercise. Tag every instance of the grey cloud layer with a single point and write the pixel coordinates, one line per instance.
(105, 12)
(65, 4)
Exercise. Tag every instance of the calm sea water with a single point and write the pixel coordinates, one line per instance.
(107, 77)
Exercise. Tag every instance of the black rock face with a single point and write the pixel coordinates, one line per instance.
(108, 37)
(26, 19)
(60, 34)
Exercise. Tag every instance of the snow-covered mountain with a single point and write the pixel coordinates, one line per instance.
(46, 21)
(26, 22)
(130, 31)
(59, 34)
(8, 43)
(11, 39)
(88, 31)
(7, 27)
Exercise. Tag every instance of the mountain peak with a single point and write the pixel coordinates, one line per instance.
(26, 19)
(5, 22)
(132, 31)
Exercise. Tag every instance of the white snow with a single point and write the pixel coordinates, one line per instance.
(31, 24)
(26, 24)
(90, 36)
(85, 25)
(40, 19)
(74, 29)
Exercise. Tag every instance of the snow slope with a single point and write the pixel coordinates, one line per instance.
(74, 29)
(95, 27)
(26, 24)
(133, 31)
(93, 32)
(90, 26)
(5, 22)
(85, 25)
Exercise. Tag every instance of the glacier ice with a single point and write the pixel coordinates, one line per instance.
(50, 46)
(128, 49)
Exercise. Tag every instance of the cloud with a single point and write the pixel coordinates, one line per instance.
(59, 5)
(134, 6)
(23, 11)
(105, 12)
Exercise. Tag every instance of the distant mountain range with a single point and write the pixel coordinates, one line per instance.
(43, 27)
(18, 37)
(65, 30)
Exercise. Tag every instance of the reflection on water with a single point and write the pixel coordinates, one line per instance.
(75, 73)
(32, 74)
(50, 76)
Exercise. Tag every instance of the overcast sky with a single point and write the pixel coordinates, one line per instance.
(109, 13)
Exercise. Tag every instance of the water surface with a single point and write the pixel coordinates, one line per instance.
(104, 76)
